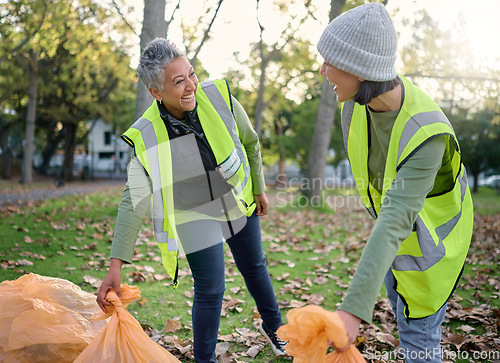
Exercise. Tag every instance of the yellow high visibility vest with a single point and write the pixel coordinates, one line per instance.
(149, 138)
(429, 262)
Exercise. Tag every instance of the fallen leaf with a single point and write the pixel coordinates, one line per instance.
(24, 263)
(253, 351)
(235, 290)
(231, 305)
(387, 338)
(93, 281)
(297, 304)
(221, 348)
(455, 338)
(227, 358)
(142, 301)
(171, 326)
(467, 328)
(320, 280)
(160, 277)
(136, 276)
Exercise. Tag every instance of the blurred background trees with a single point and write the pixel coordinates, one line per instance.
(65, 64)
(60, 70)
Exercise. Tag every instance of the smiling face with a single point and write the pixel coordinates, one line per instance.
(346, 85)
(179, 88)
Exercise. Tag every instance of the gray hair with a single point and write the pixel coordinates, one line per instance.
(157, 55)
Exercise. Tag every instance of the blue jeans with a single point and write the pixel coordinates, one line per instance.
(420, 339)
(207, 268)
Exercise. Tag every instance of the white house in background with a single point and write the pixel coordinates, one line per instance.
(108, 153)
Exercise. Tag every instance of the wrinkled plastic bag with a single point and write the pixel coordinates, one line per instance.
(123, 339)
(45, 319)
(308, 331)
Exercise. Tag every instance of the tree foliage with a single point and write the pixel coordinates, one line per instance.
(194, 36)
(479, 138)
(443, 64)
(279, 74)
(82, 74)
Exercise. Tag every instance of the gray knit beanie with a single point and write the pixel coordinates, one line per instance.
(362, 42)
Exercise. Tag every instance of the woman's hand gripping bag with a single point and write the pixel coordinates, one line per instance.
(308, 332)
(123, 339)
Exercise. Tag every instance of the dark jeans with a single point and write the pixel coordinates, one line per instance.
(207, 268)
(420, 339)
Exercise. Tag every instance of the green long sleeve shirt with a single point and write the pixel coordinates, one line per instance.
(135, 202)
(403, 202)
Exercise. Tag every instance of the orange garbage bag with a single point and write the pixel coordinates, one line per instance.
(45, 319)
(308, 331)
(123, 339)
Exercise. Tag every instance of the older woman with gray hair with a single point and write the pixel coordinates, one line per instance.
(196, 161)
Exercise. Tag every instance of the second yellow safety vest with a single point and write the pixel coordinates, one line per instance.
(429, 262)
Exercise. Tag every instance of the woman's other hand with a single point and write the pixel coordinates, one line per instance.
(262, 203)
(111, 281)
(351, 324)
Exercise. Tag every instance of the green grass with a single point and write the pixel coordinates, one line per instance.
(486, 201)
(66, 236)
(70, 238)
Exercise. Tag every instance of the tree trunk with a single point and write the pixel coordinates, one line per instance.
(69, 152)
(321, 142)
(322, 129)
(260, 106)
(153, 26)
(475, 176)
(281, 179)
(29, 140)
(52, 140)
(117, 164)
(4, 145)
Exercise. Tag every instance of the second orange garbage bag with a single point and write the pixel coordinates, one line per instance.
(123, 340)
(308, 331)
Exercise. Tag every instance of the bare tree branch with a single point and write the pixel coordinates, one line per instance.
(260, 104)
(458, 78)
(292, 31)
(118, 9)
(258, 20)
(323, 126)
(207, 31)
(172, 16)
(271, 55)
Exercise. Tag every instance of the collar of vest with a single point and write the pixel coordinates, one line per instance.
(190, 115)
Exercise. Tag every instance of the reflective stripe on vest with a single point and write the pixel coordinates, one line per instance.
(431, 254)
(158, 216)
(220, 104)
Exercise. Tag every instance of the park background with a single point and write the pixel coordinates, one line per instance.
(67, 69)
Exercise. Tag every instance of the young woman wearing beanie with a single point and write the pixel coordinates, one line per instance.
(407, 166)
